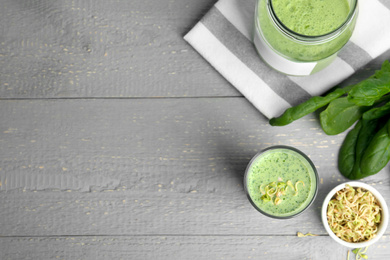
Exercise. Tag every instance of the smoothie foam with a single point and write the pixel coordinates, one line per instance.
(311, 17)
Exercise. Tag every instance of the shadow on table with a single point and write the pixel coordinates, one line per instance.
(233, 158)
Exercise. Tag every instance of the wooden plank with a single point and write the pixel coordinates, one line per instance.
(182, 247)
(101, 48)
(160, 166)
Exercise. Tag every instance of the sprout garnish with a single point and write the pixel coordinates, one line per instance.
(359, 253)
(300, 234)
(354, 214)
(278, 189)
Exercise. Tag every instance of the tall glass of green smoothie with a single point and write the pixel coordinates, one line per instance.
(301, 37)
(281, 182)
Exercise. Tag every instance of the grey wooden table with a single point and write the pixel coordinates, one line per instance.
(119, 141)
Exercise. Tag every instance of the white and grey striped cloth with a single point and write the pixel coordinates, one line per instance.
(224, 38)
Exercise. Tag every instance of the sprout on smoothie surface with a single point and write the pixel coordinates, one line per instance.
(277, 189)
(354, 214)
(289, 183)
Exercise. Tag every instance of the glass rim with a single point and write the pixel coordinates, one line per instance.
(288, 148)
(311, 38)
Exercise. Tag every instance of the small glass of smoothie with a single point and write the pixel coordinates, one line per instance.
(301, 37)
(281, 182)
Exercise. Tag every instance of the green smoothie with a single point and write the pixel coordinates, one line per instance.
(278, 167)
(316, 29)
(311, 17)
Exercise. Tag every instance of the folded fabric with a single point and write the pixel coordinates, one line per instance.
(224, 38)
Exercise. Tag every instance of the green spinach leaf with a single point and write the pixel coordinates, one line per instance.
(340, 115)
(305, 108)
(366, 92)
(377, 112)
(347, 154)
(366, 134)
(377, 154)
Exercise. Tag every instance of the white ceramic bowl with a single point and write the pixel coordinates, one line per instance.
(382, 226)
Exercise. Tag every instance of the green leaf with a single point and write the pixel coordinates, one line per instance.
(366, 134)
(377, 112)
(305, 108)
(377, 154)
(347, 154)
(366, 92)
(340, 115)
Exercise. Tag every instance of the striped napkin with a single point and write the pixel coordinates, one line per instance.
(224, 38)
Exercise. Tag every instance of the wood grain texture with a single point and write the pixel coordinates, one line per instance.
(182, 247)
(160, 166)
(120, 48)
(101, 48)
(127, 144)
